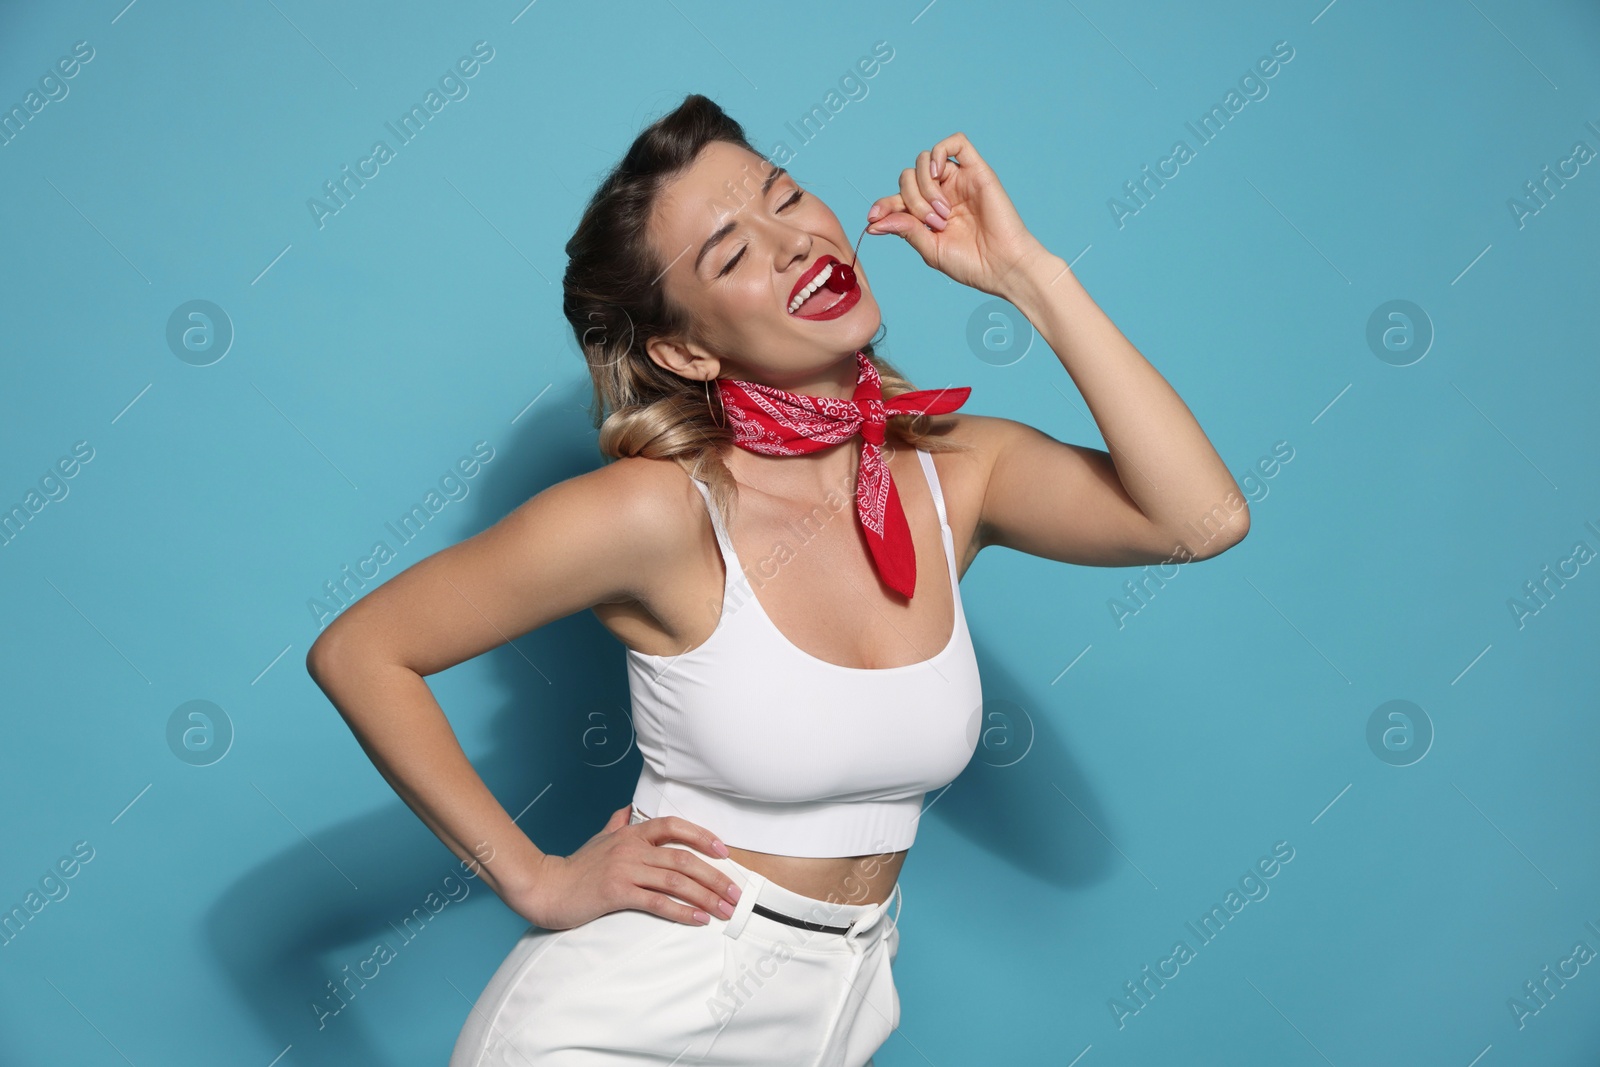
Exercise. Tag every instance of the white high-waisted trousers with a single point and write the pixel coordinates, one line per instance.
(633, 987)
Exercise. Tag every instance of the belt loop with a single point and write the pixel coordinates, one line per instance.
(746, 905)
(892, 927)
(879, 911)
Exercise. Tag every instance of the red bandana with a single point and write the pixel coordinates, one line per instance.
(775, 422)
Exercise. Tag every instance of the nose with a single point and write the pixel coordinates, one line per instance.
(794, 245)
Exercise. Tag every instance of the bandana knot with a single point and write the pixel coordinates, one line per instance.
(874, 420)
(776, 422)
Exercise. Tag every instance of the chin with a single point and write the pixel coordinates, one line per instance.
(869, 319)
(853, 330)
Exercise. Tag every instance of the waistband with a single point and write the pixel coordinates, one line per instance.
(810, 828)
(755, 888)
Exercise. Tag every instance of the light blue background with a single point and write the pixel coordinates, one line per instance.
(1111, 803)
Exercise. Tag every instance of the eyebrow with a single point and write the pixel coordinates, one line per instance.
(727, 227)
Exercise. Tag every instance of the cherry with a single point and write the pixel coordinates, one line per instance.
(843, 278)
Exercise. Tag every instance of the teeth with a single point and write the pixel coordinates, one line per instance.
(816, 283)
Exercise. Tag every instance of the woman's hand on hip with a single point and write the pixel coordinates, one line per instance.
(980, 240)
(625, 865)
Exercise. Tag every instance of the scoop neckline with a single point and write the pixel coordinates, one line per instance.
(725, 547)
(945, 534)
(955, 622)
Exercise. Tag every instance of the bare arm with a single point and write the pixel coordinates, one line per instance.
(592, 539)
(1161, 492)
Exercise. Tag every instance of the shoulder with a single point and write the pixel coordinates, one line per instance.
(965, 472)
(640, 496)
(648, 509)
(981, 439)
(986, 437)
(984, 432)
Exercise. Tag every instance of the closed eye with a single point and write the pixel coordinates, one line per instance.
(793, 200)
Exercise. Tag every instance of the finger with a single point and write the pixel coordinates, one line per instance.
(689, 865)
(683, 886)
(928, 186)
(917, 205)
(673, 828)
(966, 156)
(661, 904)
(900, 222)
(884, 206)
(915, 232)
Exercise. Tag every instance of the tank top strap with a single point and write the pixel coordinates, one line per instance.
(933, 484)
(730, 558)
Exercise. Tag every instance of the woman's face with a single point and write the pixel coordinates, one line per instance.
(736, 249)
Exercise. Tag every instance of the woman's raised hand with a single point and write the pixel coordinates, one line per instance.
(625, 865)
(979, 239)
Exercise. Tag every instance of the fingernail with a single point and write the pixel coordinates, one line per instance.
(932, 219)
(726, 908)
(701, 917)
(719, 848)
(942, 208)
(934, 166)
(877, 209)
(734, 891)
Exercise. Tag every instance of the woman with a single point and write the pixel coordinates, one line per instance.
(793, 708)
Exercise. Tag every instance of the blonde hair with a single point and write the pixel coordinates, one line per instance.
(612, 300)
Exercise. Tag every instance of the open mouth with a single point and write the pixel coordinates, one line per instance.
(813, 299)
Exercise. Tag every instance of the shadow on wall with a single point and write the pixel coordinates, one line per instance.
(563, 735)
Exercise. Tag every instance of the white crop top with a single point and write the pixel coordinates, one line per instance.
(775, 750)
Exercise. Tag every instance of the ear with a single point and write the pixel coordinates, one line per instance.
(685, 360)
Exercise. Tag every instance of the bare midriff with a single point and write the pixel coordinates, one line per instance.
(842, 879)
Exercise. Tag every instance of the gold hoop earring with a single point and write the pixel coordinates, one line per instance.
(720, 425)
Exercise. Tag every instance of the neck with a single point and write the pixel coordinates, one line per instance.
(837, 380)
(806, 479)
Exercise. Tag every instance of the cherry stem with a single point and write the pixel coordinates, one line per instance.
(842, 279)
(856, 251)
